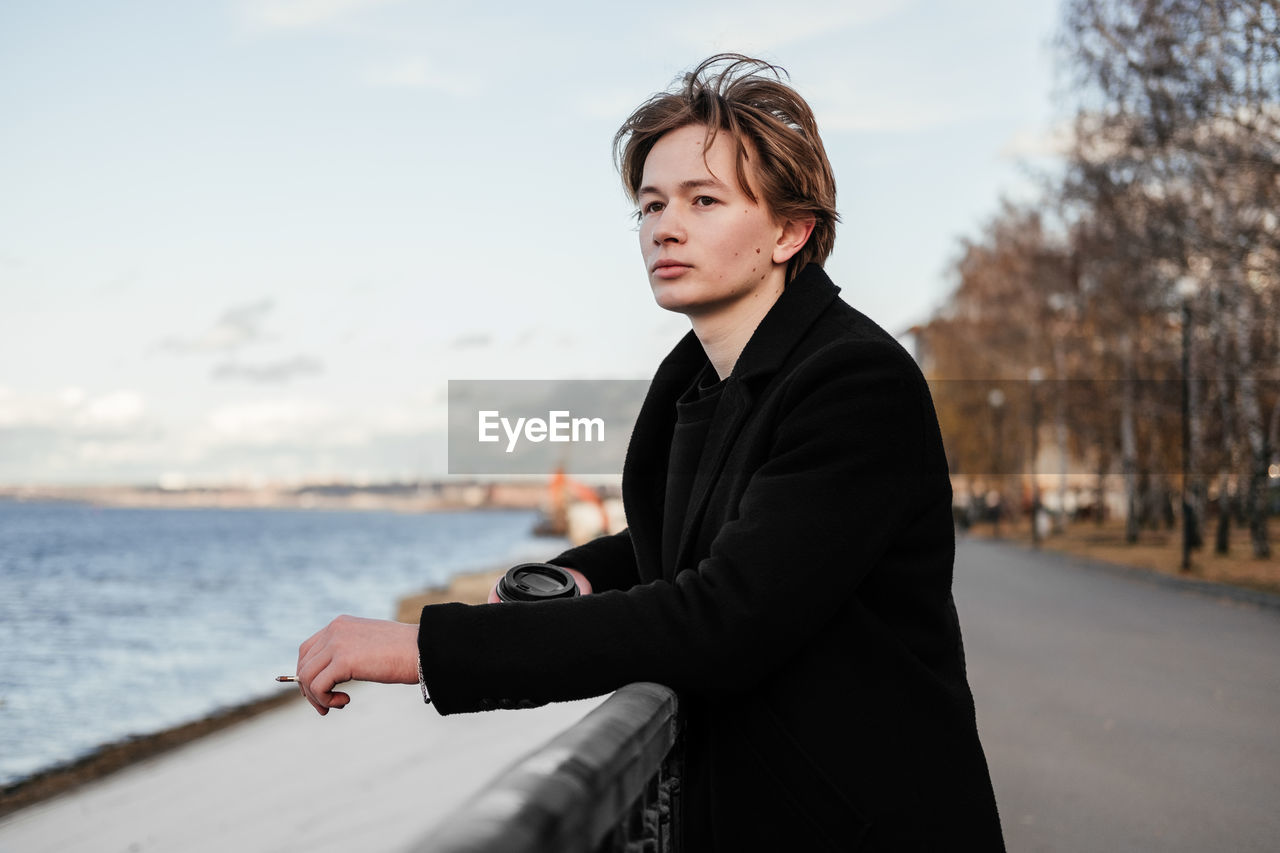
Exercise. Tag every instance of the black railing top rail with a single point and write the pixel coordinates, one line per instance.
(569, 793)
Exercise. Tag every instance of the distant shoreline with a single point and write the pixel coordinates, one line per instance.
(410, 497)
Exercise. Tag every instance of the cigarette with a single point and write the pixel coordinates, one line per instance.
(287, 678)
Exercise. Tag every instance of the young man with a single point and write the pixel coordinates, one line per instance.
(787, 568)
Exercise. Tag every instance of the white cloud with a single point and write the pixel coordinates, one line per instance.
(411, 418)
(612, 106)
(117, 410)
(20, 410)
(300, 14)
(268, 422)
(78, 436)
(1055, 141)
(871, 117)
(760, 26)
(72, 411)
(306, 423)
(238, 326)
(471, 340)
(271, 372)
(71, 396)
(95, 452)
(74, 436)
(419, 73)
(854, 102)
(71, 435)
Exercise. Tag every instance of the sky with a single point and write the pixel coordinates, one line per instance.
(249, 241)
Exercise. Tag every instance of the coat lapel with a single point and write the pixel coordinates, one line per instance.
(644, 471)
(782, 328)
(731, 413)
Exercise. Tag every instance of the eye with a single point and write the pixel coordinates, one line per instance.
(704, 201)
(651, 207)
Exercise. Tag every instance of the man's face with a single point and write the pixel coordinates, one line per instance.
(706, 245)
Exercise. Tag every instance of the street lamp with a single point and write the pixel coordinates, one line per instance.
(995, 399)
(1034, 376)
(1186, 289)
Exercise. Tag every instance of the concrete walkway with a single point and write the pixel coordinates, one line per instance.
(374, 776)
(1121, 713)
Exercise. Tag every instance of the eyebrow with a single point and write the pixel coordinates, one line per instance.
(694, 184)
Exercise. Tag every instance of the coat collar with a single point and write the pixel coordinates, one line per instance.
(807, 296)
(644, 474)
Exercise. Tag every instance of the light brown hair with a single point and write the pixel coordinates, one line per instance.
(748, 99)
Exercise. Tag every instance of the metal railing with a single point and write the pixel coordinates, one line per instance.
(609, 784)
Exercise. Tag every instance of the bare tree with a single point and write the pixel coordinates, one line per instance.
(1182, 98)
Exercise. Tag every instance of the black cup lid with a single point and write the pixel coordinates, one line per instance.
(536, 582)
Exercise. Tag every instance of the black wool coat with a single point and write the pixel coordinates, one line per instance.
(806, 622)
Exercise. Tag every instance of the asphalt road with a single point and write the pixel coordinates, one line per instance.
(1121, 714)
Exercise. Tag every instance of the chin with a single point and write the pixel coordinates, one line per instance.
(675, 302)
(665, 296)
(687, 301)
(674, 307)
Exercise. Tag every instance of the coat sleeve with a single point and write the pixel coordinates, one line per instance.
(841, 474)
(609, 562)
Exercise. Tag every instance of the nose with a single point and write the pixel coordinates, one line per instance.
(667, 227)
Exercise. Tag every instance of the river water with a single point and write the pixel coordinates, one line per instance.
(116, 622)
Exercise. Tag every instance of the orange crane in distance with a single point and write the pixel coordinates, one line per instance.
(557, 521)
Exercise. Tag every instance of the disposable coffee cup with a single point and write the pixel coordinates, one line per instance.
(536, 582)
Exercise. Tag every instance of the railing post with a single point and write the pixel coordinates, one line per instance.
(609, 784)
(652, 823)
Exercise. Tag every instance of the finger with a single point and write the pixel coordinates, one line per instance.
(310, 668)
(326, 700)
(320, 708)
(584, 585)
(305, 669)
(324, 683)
(493, 595)
(321, 637)
(310, 643)
(315, 700)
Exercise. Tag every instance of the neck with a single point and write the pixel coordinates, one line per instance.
(724, 334)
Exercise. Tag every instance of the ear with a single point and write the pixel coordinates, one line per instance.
(795, 233)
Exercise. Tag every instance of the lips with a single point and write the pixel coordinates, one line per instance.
(667, 268)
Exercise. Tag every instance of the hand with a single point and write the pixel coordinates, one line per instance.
(353, 649)
(584, 586)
